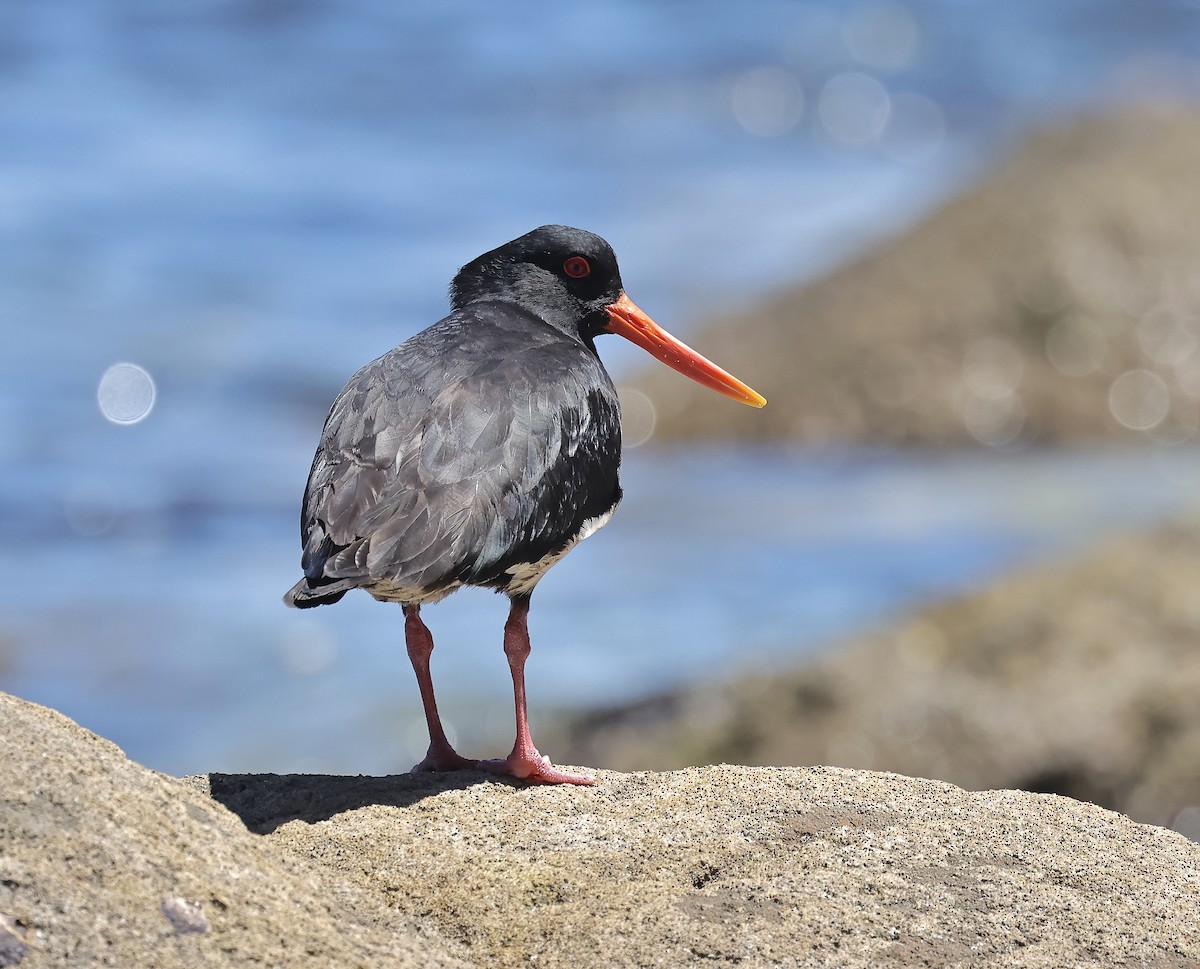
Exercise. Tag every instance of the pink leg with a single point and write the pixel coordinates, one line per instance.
(441, 755)
(525, 762)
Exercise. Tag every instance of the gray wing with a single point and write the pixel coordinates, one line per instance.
(441, 465)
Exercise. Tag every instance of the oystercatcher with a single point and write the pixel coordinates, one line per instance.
(481, 451)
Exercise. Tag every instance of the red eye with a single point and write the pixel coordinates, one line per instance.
(577, 267)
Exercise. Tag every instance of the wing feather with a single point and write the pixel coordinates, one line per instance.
(438, 465)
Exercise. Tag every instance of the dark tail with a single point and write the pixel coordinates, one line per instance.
(305, 596)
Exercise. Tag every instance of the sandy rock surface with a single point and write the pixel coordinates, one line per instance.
(106, 863)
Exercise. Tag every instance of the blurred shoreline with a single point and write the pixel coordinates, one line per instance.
(1076, 678)
(1055, 302)
(781, 552)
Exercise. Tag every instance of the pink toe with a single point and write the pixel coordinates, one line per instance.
(535, 768)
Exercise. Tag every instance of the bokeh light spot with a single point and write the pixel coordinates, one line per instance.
(1075, 346)
(994, 421)
(854, 108)
(1139, 399)
(916, 129)
(638, 417)
(1187, 376)
(992, 368)
(767, 101)
(1166, 336)
(126, 393)
(90, 509)
(1179, 426)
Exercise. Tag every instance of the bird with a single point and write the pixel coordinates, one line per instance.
(479, 452)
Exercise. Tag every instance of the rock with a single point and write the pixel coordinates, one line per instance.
(1078, 678)
(1011, 314)
(95, 851)
(760, 866)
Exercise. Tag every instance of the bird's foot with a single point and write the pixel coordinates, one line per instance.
(443, 759)
(534, 767)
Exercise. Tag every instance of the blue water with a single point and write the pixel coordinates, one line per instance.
(166, 633)
(250, 199)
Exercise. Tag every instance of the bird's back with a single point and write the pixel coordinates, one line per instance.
(482, 444)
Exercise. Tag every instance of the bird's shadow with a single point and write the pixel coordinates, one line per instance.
(265, 802)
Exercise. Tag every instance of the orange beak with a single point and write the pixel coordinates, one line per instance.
(626, 319)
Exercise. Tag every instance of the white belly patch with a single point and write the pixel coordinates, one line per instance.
(526, 575)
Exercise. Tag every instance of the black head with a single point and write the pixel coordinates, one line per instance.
(566, 276)
(569, 278)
